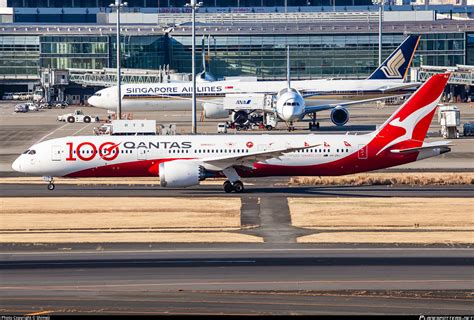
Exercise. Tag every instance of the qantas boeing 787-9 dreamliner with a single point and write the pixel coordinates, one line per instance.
(185, 160)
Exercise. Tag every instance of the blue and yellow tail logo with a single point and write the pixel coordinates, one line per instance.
(397, 64)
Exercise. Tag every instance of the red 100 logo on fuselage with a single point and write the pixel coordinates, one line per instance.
(108, 151)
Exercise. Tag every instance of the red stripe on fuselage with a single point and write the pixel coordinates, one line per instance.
(347, 165)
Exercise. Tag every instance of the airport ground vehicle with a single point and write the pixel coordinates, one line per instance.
(7, 96)
(77, 116)
(32, 106)
(50, 105)
(185, 160)
(21, 108)
(449, 117)
(222, 127)
(468, 129)
(106, 129)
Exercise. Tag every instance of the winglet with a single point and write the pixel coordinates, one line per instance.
(397, 64)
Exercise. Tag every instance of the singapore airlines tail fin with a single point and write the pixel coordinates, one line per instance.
(408, 126)
(397, 64)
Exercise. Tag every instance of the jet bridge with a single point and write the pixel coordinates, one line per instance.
(107, 77)
(461, 74)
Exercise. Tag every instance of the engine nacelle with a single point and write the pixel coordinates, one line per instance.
(240, 117)
(180, 173)
(215, 111)
(339, 116)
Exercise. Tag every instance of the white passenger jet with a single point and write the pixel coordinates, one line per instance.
(388, 78)
(183, 161)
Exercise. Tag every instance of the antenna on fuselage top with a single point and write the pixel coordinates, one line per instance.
(288, 76)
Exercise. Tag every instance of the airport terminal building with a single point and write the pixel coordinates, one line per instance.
(236, 41)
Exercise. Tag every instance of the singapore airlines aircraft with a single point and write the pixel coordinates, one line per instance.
(387, 79)
(183, 161)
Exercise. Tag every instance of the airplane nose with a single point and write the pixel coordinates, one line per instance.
(16, 165)
(288, 113)
(92, 101)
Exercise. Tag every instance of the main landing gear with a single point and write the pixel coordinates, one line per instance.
(237, 186)
(51, 182)
(234, 183)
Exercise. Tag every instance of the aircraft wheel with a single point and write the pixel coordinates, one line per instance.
(51, 186)
(71, 119)
(228, 188)
(238, 186)
(269, 128)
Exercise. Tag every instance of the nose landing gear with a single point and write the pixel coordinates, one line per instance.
(50, 181)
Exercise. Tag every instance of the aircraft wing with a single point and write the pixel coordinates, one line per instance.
(247, 159)
(388, 88)
(401, 86)
(322, 107)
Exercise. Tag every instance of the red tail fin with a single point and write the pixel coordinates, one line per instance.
(412, 120)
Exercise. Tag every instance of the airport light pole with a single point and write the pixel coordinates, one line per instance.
(194, 5)
(380, 3)
(118, 5)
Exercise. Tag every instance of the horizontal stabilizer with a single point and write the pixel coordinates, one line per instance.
(443, 145)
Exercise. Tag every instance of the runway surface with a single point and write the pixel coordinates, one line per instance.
(238, 279)
(255, 187)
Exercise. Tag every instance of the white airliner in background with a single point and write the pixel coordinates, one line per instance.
(387, 79)
(183, 161)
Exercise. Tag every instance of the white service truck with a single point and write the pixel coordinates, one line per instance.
(252, 109)
(77, 116)
(449, 117)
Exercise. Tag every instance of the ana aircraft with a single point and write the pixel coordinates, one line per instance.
(387, 79)
(183, 161)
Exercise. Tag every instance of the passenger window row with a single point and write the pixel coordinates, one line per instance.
(321, 150)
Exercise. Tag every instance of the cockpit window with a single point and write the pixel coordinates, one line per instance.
(26, 152)
(31, 151)
(97, 94)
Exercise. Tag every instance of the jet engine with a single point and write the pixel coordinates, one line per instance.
(180, 173)
(240, 117)
(339, 116)
(215, 111)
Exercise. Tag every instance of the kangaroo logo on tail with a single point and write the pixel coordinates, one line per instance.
(392, 69)
(412, 120)
(409, 123)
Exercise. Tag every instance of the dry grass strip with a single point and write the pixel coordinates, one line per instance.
(437, 237)
(145, 237)
(73, 213)
(377, 213)
(419, 178)
(120, 220)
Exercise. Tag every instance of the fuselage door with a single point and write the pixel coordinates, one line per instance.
(362, 153)
(141, 153)
(56, 153)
